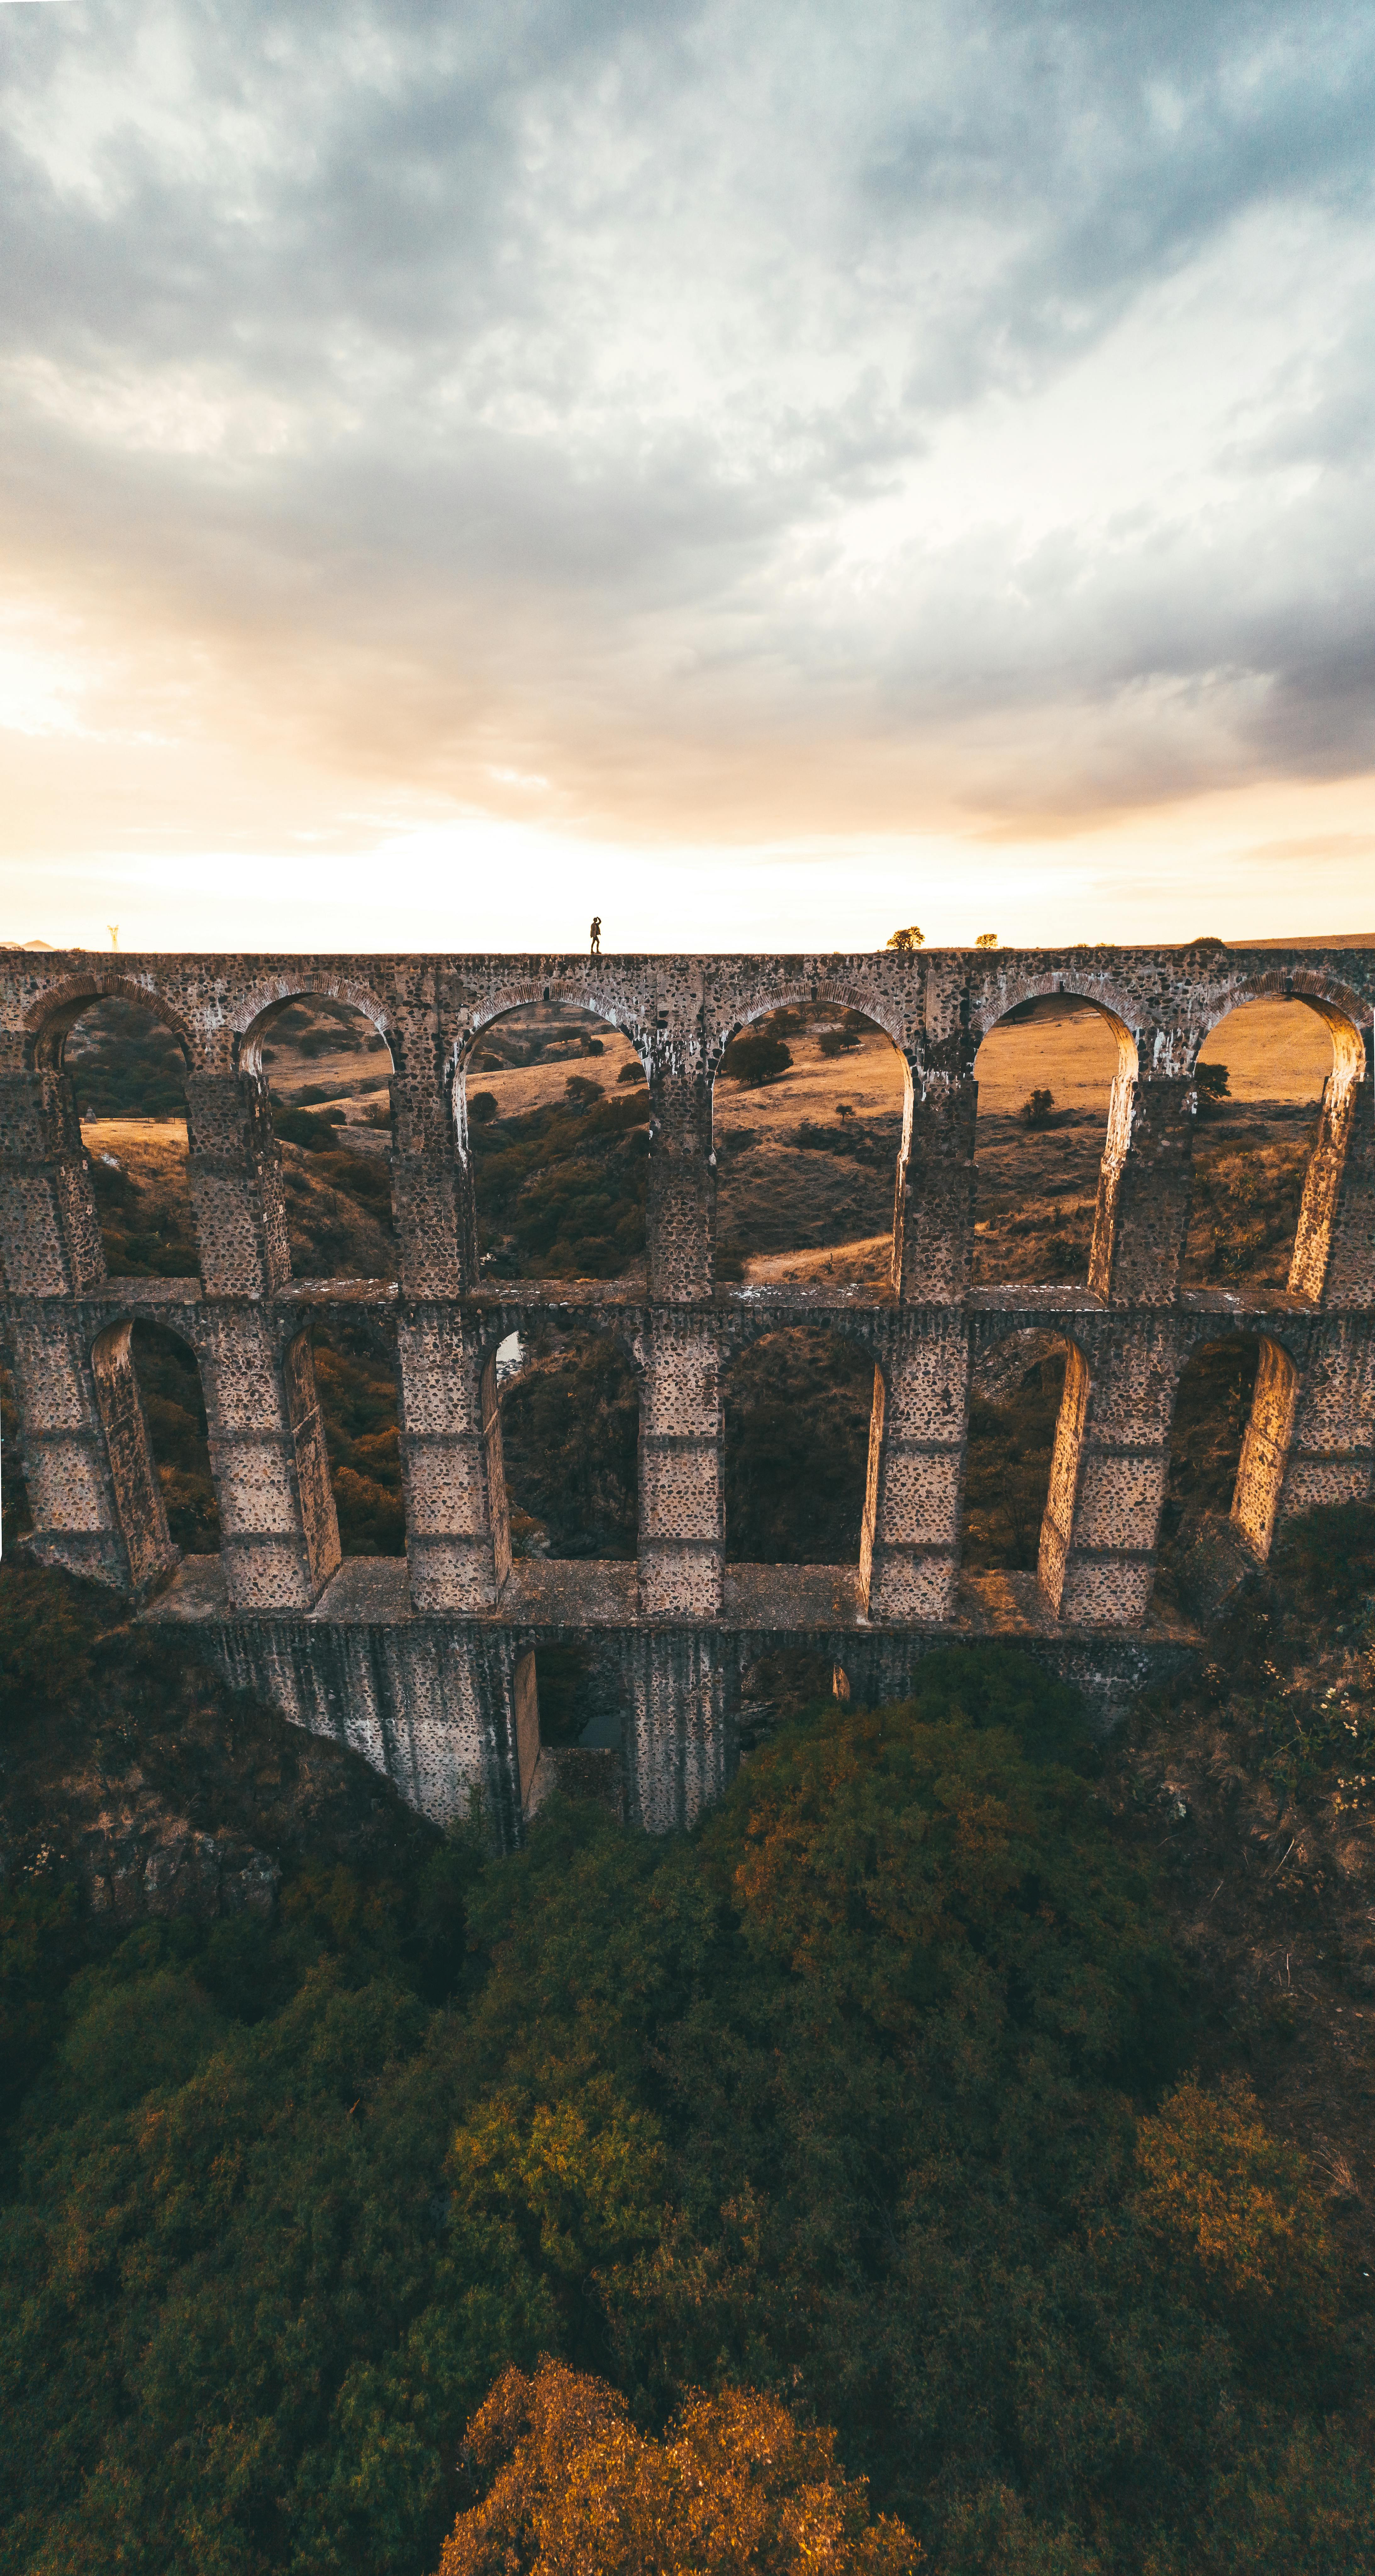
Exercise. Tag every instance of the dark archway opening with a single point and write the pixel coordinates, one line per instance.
(570, 1428)
(557, 1124)
(1013, 1414)
(784, 1684)
(128, 1077)
(174, 1409)
(1214, 1404)
(1045, 1077)
(569, 1728)
(328, 1073)
(152, 1413)
(356, 1379)
(807, 1116)
(1261, 1076)
(798, 1414)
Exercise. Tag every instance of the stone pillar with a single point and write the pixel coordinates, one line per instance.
(457, 1533)
(66, 1462)
(933, 1221)
(681, 1544)
(1142, 1215)
(431, 1188)
(1107, 1475)
(1334, 1247)
(677, 1752)
(910, 1549)
(235, 1171)
(1321, 1448)
(681, 1215)
(279, 1539)
(49, 1235)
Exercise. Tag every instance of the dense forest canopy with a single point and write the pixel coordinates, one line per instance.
(871, 2098)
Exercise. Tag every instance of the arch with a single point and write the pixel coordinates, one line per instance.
(554, 1144)
(307, 987)
(49, 1021)
(1264, 1193)
(837, 993)
(1029, 1400)
(554, 1417)
(801, 1445)
(122, 1069)
(332, 1197)
(808, 1182)
(138, 1476)
(1231, 1427)
(1341, 1010)
(1053, 1091)
(523, 992)
(357, 1379)
(566, 1739)
(1022, 986)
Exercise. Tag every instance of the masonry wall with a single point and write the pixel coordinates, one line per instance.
(425, 1683)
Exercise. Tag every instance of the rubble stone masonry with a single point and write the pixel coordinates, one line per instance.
(426, 1668)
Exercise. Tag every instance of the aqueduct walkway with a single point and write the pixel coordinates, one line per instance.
(421, 1666)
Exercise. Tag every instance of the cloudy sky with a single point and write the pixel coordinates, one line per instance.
(769, 471)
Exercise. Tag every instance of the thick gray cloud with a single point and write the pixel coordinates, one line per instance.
(641, 394)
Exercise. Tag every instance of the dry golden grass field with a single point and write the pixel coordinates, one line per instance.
(806, 1162)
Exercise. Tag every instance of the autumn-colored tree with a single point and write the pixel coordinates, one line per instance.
(908, 941)
(1234, 2203)
(987, 939)
(735, 2485)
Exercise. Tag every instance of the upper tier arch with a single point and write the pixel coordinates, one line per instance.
(990, 1011)
(345, 988)
(50, 1020)
(1340, 1010)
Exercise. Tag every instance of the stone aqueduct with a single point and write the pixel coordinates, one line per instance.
(425, 1666)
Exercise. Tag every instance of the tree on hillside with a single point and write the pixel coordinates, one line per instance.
(987, 939)
(735, 2483)
(908, 941)
(754, 1058)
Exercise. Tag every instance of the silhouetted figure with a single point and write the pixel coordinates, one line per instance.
(596, 948)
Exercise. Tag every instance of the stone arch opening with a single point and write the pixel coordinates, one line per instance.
(126, 1068)
(561, 1415)
(322, 1071)
(810, 1109)
(356, 1377)
(552, 1111)
(1026, 1398)
(152, 1412)
(781, 1684)
(1230, 1435)
(569, 1727)
(803, 1411)
(1276, 1082)
(1047, 1072)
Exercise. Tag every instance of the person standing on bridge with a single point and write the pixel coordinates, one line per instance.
(596, 934)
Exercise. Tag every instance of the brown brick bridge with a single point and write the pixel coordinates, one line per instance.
(424, 1666)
